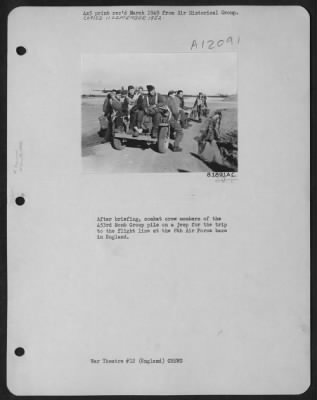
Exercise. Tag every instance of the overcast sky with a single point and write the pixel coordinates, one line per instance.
(210, 73)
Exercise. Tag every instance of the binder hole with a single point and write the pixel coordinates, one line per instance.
(19, 351)
(21, 50)
(20, 201)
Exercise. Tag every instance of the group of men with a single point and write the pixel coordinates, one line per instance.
(136, 105)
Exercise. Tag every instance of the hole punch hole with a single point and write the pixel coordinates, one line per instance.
(19, 351)
(20, 201)
(21, 50)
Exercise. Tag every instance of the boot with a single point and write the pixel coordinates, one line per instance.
(137, 131)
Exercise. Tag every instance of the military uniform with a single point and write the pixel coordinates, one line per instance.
(151, 104)
(174, 121)
(132, 105)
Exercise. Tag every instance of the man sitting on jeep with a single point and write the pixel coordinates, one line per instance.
(132, 107)
(151, 103)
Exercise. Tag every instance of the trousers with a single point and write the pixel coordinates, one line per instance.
(156, 120)
(136, 118)
(178, 131)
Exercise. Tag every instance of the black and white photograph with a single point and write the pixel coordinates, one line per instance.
(159, 112)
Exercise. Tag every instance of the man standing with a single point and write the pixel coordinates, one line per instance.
(110, 106)
(174, 121)
(198, 105)
(205, 110)
(211, 130)
(151, 103)
(107, 109)
(114, 107)
(179, 98)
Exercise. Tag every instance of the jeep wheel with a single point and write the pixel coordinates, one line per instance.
(117, 144)
(163, 139)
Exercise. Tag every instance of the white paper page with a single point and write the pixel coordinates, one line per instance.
(217, 305)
